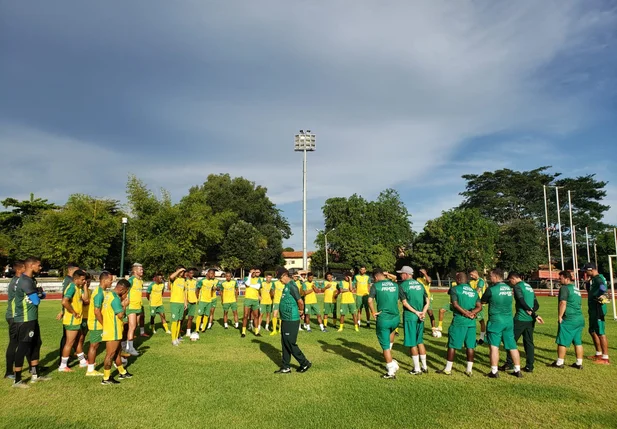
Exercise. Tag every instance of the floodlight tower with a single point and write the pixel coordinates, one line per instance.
(304, 142)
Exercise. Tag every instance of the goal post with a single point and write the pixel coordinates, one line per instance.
(610, 265)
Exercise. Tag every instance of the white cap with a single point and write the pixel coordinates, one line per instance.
(406, 270)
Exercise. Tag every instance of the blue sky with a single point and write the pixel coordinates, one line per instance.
(409, 95)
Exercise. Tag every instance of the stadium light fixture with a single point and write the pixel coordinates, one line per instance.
(304, 142)
(124, 222)
(325, 238)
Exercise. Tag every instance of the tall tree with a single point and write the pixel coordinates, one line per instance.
(521, 246)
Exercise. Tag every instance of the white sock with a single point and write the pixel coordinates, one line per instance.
(188, 332)
(226, 325)
(579, 361)
(210, 325)
(90, 367)
(494, 369)
(469, 366)
(423, 360)
(236, 325)
(517, 368)
(321, 326)
(129, 345)
(64, 362)
(390, 367)
(81, 357)
(359, 322)
(416, 363)
(142, 330)
(391, 344)
(482, 334)
(598, 353)
(605, 357)
(560, 361)
(449, 366)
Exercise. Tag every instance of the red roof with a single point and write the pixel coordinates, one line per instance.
(296, 255)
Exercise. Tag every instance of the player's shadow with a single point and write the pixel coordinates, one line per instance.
(349, 354)
(269, 350)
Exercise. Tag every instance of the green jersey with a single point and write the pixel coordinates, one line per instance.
(467, 298)
(524, 300)
(11, 294)
(23, 309)
(288, 307)
(499, 300)
(572, 296)
(386, 294)
(413, 291)
(597, 288)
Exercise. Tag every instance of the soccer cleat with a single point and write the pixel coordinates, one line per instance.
(555, 365)
(110, 381)
(415, 372)
(368, 324)
(425, 370)
(340, 329)
(517, 374)
(469, 373)
(65, 369)
(124, 353)
(389, 376)
(175, 343)
(283, 371)
(594, 357)
(83, 364)
(94, 374)
(10, 376)
(125, 376)
(20, 385)
(133, 352)
(305, 367)
(168, 332)
(438, 328)
(144, 335)
(444, 372)
(527, 369)
(243, 335)
(39, 378)
(357, 329)
(602, 362)
(324, 330)
(575, 366)
(226, 327)
(258, 334)
(493, 375)
(480, 342)
(505, 367)
(272, 333)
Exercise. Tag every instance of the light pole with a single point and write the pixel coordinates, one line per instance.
(572, 239)
(124, 222)
(587, 239)
(548, 242)
(325, 238)
(304, 142)
(563, 267)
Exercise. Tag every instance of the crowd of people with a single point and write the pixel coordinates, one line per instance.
(111, 312)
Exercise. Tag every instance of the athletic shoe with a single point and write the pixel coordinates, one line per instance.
(133, 352)
(389, 376)
(110, 381)
(493, 375)
(368, 325)
(272, 333)
(527, 369)
(340, 329)
(83, 365)
(226, 327)
(181, 339)
(144, 335)
(469, 373)
(602, 362)
(425, 370)
(517, 374)
(20, 385)
(125, 376)
(324, 330)
(125, 354)
(243, 335)
(305, 367)
(65, 369)
(505, 367)
(480, 342)
(283, 371)
(444, 372)
(39, 379)
(258, 334)
(168, 332)
(94, 373)
(415, 373)
(438, 328)
(554, 365)
(175, 343)
(357, 329)
(575, 366)
(594, 357)
(10, 376)
(267, 329)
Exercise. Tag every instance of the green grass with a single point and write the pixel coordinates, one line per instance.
(227, 381)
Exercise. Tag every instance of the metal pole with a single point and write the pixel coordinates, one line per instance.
(610, 264)
(563, 267)
(325, 237)
(304, 254)
(548, 243)
(575, 251)
(572, 238)
(587, 239)
(615, 232)
(122, 254)
(595, 253)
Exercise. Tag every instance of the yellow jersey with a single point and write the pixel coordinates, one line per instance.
(361, 283)
(178, 291)
(328, 294)
(85, 309)
(137, 286)
(278, 291)
(207, 290)
(427, 286)
(346, 294)
(112, 324)
(310, 296)
(156, 294)
(266, 287)
(74, 294)
(191, 295)
(228, 291)
(479, 285)
(252, 292)
(96, 301)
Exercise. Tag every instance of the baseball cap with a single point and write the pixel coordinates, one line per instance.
(406, 270)
(589, 266)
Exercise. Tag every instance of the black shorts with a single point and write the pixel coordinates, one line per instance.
(28, 332)
(12, 329)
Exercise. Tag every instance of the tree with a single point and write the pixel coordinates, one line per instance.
(288, 249)
(243, 246)
(521, 246)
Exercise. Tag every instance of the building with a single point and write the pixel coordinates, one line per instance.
(293, 260)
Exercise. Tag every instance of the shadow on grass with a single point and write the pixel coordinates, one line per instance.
(269, 350)
(349, 354)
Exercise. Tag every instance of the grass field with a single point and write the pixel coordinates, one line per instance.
(227, 381)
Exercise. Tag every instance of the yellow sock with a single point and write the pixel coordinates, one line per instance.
(396, 330)
(356, 326)
(165, 327)
(198, 323)
(280, 325)
(106, 374)
(243, 330)
(178, 328)
(274, 323)
(121, 369)
(205, 323)
(325, 322)
(175, 327)
(441, 324)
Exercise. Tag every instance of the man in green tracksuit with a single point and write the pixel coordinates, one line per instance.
(500, 323)
(597, 289)
(291, 309)
(571, 321)
(525, 319)
(415, 305)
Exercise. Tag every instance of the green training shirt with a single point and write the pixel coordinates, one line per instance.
(499, 300)
(413, 291)
(572, 296)
(288, 307)
(11, 294)
(524, 296)
(23, 309)
(386, 295)
(467, 298)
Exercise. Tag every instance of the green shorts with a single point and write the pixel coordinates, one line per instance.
(414, 331)
(384, 329)
(596, 320)
(312, 309)
(361, 301)
(480, 315)
(177, 311)
(446, 307)
(191, 309)
(96, 336)
(157, 310)
(498, 332)
(130, 311)
(230, 305)
(329, 308)
(72, 327)
(252, 304)
(568, 334)
(265, 308)
(348, 309)
(275, 307)
(203, 308)
(459, 336)
(84, 326)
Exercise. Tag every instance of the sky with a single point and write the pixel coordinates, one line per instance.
(408, 95)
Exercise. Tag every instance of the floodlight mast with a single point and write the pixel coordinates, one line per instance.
(304, 142)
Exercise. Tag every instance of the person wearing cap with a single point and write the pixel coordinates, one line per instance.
(348, 302)
(597, 296)
(571, 322)
(384, 295)
(415, 305)
(291, 310)
(135, 310)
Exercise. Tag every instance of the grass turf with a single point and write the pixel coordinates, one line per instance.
(227, 381)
